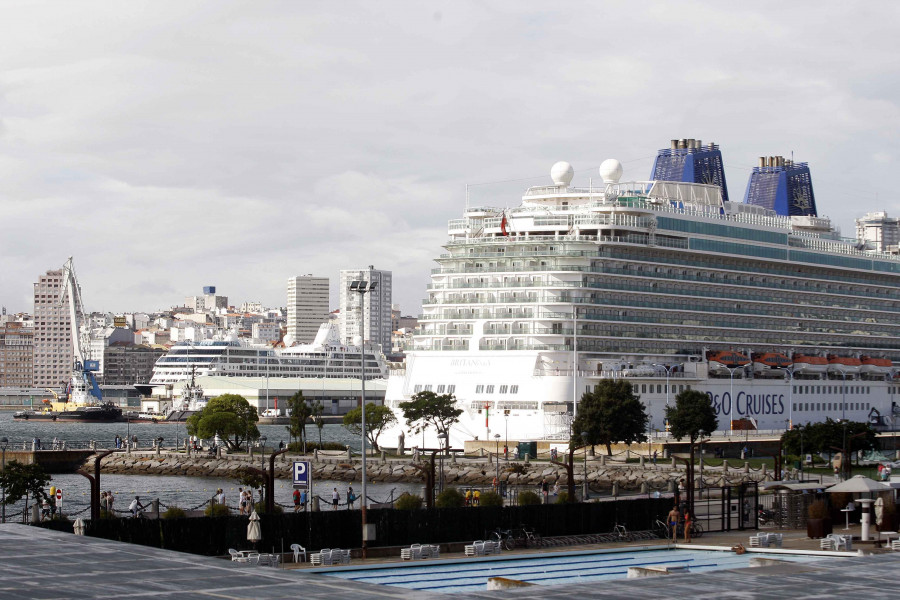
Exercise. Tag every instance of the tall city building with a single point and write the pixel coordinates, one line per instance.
(307, 307)
(16, 355)
(377, 307)
(208, 302)
(879, 231)
(53, 354)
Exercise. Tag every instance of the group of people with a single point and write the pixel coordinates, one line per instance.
(123, 442)
(300, 500)
(245, 500)
(884, 472)
(473, 497)
(678, 517)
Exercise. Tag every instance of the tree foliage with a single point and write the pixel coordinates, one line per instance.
(609, 414)
(378, 418)
(826, 437)
(692, 415)
(301, 411)
(230, 417)
(427, 409)
(24, 481)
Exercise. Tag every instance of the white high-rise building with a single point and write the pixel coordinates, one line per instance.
(879, 231)
(53, 353)
(308, 298)
(377, 307)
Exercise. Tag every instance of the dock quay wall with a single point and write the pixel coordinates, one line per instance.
(457, 471)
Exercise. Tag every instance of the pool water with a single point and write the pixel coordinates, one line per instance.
(470, 575)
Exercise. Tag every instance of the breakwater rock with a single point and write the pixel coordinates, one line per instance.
(463, 471)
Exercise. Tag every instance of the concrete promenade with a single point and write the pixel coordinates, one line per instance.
(43, 564)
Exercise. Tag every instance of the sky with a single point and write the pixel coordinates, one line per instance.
(167, 146)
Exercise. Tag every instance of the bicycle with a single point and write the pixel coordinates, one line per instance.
(621, 534)
(696, 530)
(504, 537)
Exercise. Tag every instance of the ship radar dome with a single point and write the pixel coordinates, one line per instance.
(561, 173)
(611, 170)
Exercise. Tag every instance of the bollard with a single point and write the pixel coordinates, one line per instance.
(93, 445)
(219, 451)
(673, 462)
(158, 448)
(602, 460)
(764, 470)
(481, 451)
(527, 459)
(154, 507)
(383, 459)
(671, 486)
(316, 454)
(315, 504)
(615, 488)
(725, 465)
(746, 467)
(645, 488)
(452, 459)
(627, 454)
(642, 461)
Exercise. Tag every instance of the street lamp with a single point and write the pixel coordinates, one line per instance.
(497, 440)
(443, 439)
(4, 444)
(790, 372)
(262, 451)
(362, 287)
(584, 492)
(799, 428)
(668, 369)
(506, 444)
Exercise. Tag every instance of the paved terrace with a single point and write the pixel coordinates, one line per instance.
(43, 564)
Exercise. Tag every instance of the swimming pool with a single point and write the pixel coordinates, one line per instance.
(469, 575)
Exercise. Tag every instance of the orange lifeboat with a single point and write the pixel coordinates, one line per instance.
(874, 365)
(807, 363)
(763, 361)
(845, 364)
(727, 358)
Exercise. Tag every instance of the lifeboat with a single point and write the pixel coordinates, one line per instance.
(843, 364)
(807, 363)
(874, 366)
(766, 361)
(718, 361)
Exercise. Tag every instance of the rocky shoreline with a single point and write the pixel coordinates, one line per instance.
(462, 471)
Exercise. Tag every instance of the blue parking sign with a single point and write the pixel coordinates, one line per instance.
(301, 473)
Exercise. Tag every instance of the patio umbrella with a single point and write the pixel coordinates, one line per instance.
(858, 484)
(253, 532)
(879, 511)
(79, 526)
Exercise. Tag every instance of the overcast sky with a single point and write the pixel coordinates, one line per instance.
(172, 145)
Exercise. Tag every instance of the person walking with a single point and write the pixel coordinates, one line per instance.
(687, 526)
(109, 501)
(135, 507)
(304, 498)
(296, 496)
(545, 491)
(350, 497)
(335, 499)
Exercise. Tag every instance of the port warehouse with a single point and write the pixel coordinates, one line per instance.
(337, 396)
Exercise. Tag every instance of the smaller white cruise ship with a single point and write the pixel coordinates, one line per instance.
(326, 357)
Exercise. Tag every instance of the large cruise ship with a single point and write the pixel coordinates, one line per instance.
(326, 357)
(760, 304)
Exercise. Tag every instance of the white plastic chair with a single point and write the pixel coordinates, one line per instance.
(895, 545)
(469, 550)
(435, 551)
(415, 551)
(298, 552)
(328, 557)
(344, 556)
(480, 548)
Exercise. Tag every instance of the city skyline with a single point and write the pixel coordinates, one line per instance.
(168, 147)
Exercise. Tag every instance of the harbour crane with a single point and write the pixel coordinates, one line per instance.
(82, 389)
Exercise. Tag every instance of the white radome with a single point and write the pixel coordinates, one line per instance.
(288, 340)
(561, 173)
(611, 170)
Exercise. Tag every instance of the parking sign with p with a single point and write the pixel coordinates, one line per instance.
(301, 473)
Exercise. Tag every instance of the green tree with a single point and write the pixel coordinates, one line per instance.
(230, 417)
(378, 418)
(300, 413)
(611, 413)
(828, 437)
(24, 481)
(253, 479)
(692, 416)
(427, 409)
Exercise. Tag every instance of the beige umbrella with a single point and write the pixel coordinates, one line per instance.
(79, 526)
(253, 532)
(858, 484)
(879, 511)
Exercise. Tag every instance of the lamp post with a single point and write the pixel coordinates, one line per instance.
(668, 369)
(362, 287)
(584, 491)
(731, 402)
(845, 462)
(506, 432)
(4, 444)
(790, 372)
(262, 451)
(497, 440)
(443, 439)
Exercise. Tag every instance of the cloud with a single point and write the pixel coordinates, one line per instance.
(173, 145)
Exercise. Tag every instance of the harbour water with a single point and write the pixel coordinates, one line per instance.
(184, 492)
